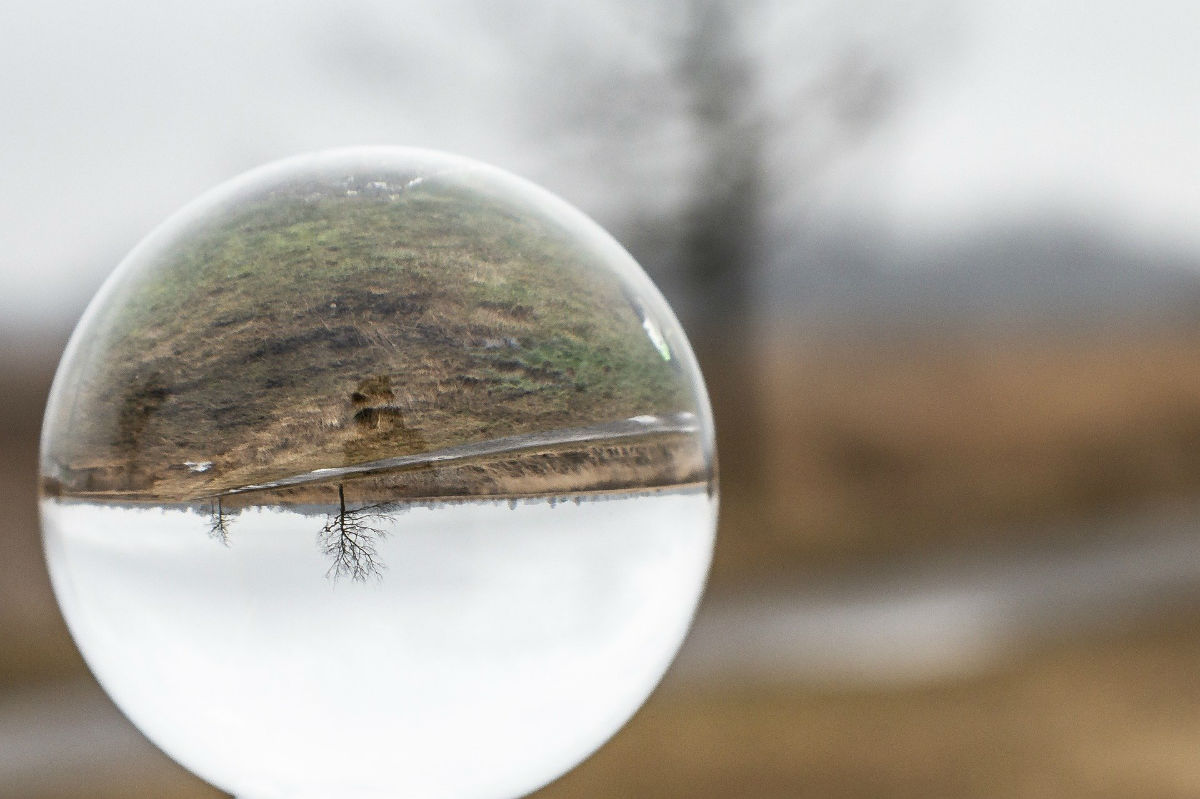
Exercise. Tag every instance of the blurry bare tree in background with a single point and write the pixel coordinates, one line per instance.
(723, 247)
(709, 120)
(697, 131)
(721, 230)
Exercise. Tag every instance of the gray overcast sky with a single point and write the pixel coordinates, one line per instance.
(1093, 106)
(116, 114)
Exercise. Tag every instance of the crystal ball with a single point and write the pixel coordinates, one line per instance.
(378, 472)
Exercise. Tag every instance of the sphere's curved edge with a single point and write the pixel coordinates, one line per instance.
(623, 718)
(96, 562)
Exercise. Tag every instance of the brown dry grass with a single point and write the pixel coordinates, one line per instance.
(667, 461)
(891, 443)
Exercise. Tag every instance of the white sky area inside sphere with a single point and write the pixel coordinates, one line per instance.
(117, 114)
(498, 646)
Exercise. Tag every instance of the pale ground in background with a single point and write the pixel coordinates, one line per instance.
(1106, 717)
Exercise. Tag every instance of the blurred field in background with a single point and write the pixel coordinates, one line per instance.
(876, 443)
(940, 263)
(876, 449)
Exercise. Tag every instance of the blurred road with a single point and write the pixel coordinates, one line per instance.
(956, 612)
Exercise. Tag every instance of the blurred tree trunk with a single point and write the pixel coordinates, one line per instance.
(721, 231)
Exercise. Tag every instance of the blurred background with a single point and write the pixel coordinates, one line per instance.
(939, 260)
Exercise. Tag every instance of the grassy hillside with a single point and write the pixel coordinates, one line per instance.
(317, 326)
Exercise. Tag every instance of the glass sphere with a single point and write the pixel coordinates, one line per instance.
(378, 472)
